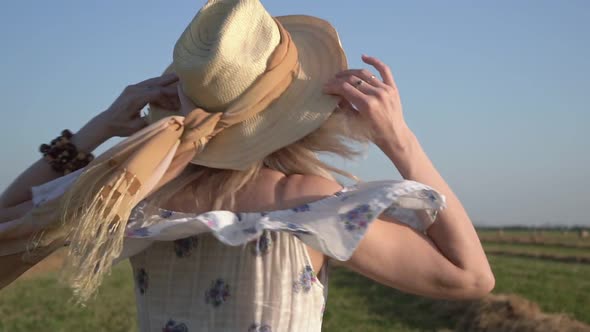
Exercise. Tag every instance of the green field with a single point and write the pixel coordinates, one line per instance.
(566, 235)
(532, 248)
(568, 238)
(355, 303)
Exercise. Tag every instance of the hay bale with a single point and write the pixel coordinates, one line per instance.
(512, 313)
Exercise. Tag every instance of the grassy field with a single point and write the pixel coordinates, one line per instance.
(564, 238)
(556, 287)
(360, 303)
(532, 248)
(355, 303)
(565, 235)
(42, 304)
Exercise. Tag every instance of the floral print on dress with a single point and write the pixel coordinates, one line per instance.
(344, 193)
(142, 281)
(301, 208)
(172, 326)
(262, 244)
(357, 218)
(218, 293)
(428, 194)
(212, 223)
(259, 328)
(40, 202)
(305, 280)
(183, 247)
(140, 232)
(295, 228)
(250, 230)
(166, 213)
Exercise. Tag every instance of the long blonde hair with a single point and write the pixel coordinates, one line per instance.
(343, 134)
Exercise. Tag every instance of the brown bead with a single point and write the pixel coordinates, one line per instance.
(67, 134)
(44, 148)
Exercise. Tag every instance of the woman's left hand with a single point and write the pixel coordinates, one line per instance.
(377, 100)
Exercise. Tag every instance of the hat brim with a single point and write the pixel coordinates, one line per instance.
(300, 110)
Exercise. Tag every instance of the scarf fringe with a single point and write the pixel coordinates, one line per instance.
(96, 229)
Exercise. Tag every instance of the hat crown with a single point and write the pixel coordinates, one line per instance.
(224, 50)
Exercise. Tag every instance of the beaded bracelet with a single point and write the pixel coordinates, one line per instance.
(63, 156)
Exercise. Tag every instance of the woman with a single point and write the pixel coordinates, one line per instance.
(271, 92)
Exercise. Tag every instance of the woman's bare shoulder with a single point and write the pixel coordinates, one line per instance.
(271, 190)
(274, 190)
(302, 189)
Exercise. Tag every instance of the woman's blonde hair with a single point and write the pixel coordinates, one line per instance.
(343, 134)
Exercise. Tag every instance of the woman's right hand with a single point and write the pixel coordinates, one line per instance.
(123, 117)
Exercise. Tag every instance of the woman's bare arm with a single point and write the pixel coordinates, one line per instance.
(453, 232)
(450, 261)
(122, 118)
(86, 139)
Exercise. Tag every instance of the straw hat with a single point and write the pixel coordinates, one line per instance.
(224, 50)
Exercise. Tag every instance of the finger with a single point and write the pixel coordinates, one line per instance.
(345, 106)
(147, 95)
(345, 90)
(382, 68)
(186, 105)
(155, 94)
(166, 105)
(172, 83)
(363, 74)
(169, 91)
(360, 84)
(137, 124)
(159, 81)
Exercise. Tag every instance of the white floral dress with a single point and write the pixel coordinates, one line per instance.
(225, 271)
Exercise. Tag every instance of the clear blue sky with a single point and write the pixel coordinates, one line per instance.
(497, 91)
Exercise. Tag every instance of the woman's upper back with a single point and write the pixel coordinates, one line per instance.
(270, 190)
